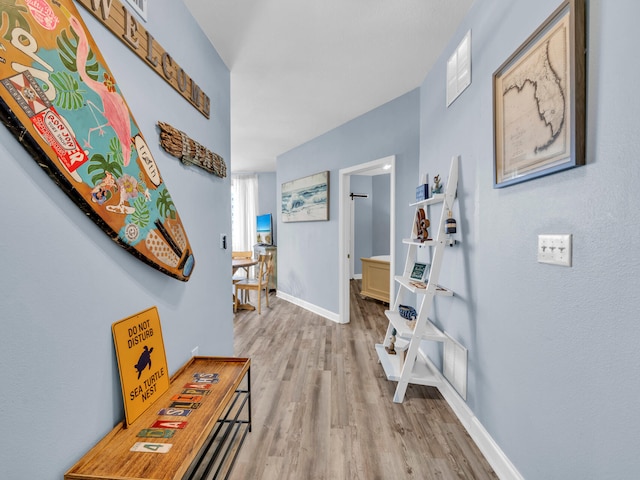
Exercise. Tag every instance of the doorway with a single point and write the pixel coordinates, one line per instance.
(384, 165)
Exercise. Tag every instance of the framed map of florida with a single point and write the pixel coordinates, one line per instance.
(539, 100)
(63, 104)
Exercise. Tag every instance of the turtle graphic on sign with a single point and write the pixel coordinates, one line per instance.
(144, 360)
(144, 374)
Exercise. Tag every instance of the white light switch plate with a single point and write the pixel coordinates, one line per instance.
(555, 249)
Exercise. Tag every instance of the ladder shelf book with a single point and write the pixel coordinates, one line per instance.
(407, 365)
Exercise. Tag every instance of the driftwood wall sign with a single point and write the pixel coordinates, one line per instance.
(178, 144)
(122, 23)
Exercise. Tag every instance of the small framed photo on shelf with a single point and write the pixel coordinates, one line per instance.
(419, 271)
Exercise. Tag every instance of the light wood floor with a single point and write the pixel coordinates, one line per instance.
(323, 409)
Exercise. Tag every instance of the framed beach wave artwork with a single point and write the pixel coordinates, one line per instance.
(306, 199)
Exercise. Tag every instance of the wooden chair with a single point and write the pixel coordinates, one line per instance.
(245, 271)
(242, 273)
(238, 254)
(260, 283)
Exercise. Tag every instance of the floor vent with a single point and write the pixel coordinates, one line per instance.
(455, 365)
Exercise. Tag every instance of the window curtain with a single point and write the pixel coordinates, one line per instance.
(244, 208)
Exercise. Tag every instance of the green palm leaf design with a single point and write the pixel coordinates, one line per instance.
(115, 149)
(14, 16)
(69, 94)
(99, 166)
(165, 205)
(141, 216)
(68, 50)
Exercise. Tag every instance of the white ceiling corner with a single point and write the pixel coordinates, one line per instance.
(299, 69)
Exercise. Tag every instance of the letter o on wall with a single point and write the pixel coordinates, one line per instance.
(182, 80)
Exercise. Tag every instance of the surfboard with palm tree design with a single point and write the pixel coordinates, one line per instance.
(61, 101)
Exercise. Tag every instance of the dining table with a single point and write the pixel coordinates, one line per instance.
(245, 263)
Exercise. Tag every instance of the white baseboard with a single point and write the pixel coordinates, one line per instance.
(334, 317)
(489, 448)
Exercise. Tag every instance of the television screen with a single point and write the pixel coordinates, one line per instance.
(264, 229)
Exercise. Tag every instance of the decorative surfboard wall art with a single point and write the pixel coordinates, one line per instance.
(61, 101)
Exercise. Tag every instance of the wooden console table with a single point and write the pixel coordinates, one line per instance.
(207, 446)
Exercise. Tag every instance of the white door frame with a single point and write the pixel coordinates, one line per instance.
(345, 225)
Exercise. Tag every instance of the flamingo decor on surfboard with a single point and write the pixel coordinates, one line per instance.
(61, 101)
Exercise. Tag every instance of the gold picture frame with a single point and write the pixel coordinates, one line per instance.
(539, 100)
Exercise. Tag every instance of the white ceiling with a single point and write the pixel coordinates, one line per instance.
(301, 68)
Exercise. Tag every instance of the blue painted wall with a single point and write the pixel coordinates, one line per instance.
(380, 227)
(308, 251)
(371, 222)
(553, 357)
(553, 351)
(64, 282)
(362, 214)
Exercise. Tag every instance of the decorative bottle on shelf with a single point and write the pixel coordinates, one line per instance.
(450, 225)
(392, 342)
(450, 228)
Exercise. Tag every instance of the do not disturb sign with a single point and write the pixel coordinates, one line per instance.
(142, 361)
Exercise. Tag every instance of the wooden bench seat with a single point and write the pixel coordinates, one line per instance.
(205, 448)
